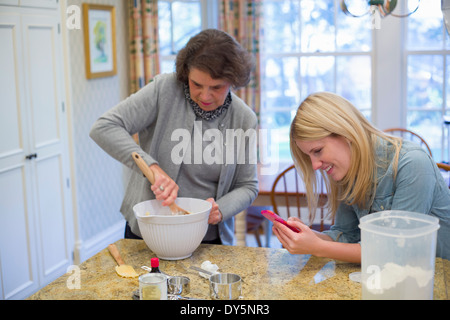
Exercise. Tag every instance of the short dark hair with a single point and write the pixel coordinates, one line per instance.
(217, 53)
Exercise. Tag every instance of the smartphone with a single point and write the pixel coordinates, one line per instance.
(272, 216)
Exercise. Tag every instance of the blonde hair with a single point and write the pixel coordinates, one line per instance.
(321, 115)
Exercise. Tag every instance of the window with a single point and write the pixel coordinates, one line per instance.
(427, 77)
(397, 74)
(178, 21)
(310, 46)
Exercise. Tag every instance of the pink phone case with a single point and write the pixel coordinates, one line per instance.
(272, 216)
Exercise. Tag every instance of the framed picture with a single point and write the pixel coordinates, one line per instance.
(99, 40)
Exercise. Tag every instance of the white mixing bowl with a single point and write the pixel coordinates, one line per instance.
(173, 237)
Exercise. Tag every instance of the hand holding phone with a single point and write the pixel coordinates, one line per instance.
(272, 216)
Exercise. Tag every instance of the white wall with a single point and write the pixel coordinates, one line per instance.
(99, 180)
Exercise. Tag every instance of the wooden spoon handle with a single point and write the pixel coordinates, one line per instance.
(115, 253)
(151, 177)
(144, 167)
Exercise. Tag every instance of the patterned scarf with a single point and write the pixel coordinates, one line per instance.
(206, 115)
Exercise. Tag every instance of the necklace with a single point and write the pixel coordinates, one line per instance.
(206, 115)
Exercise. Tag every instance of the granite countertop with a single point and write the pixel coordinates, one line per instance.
(268, 274)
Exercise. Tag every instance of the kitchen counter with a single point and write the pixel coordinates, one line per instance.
(268, 274)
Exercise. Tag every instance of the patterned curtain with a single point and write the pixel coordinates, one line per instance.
(241, 19)
(144, 47)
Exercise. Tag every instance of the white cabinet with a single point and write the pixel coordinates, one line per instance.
(10, 2)
(31, 3)
(36, 236)
(39, 3)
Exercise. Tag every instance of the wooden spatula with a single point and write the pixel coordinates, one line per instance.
(122, 269)
(175, 209)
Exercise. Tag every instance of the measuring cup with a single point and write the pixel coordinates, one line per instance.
(178, 285)
(223, 286)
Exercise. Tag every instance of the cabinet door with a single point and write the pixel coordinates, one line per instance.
(39, 3)
(10, 2)
(42, 61)
(18, 259)
(31, 3)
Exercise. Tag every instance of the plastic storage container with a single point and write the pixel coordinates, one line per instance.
(398, 253)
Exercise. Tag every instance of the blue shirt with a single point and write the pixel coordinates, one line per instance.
(418, 187)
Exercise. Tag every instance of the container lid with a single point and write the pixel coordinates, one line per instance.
(398, 223)
(154, 262)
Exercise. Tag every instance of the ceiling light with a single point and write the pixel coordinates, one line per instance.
(384, 7)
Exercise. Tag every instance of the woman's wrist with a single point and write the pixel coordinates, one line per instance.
(321, 248)
(350, 252)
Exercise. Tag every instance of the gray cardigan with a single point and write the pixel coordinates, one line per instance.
(154, 112)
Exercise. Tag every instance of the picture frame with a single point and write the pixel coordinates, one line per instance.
(99, 22)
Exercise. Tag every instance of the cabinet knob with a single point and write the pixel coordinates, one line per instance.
(31, 156)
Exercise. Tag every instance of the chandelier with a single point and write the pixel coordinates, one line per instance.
(384, 8)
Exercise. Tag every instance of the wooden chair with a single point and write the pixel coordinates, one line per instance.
(288, 191)
(409, 135)
(255, 221)
(444, 167)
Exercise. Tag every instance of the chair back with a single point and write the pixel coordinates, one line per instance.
(411, 136)
(445, 169)
(289, 191)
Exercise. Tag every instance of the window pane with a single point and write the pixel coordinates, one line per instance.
(167, 66)
(425, 26)
(187, 22)
(354, 80)
(318, 26)
(425, 81)
(164, 25)
(429, 126)
(281, 26)
(187, 19)
(354, 34)
(296, 34)
(317, 74)
(447, 89)
(447, 39)
(281, 83)
(446, 140)
(280, 101)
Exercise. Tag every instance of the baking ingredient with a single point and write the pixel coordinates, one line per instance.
(208, 266)
(155, 265)
(151, 293)
(399, 282)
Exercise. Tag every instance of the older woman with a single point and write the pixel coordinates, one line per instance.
(178, 116)
(365, 171)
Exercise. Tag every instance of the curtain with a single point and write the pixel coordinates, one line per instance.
(241, 19)
(144, 47)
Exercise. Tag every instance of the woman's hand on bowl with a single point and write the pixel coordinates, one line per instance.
(215, 216)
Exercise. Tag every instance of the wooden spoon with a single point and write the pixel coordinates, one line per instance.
(175, 209)
(122, 269)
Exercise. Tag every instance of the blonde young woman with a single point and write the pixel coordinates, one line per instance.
(365, 170)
